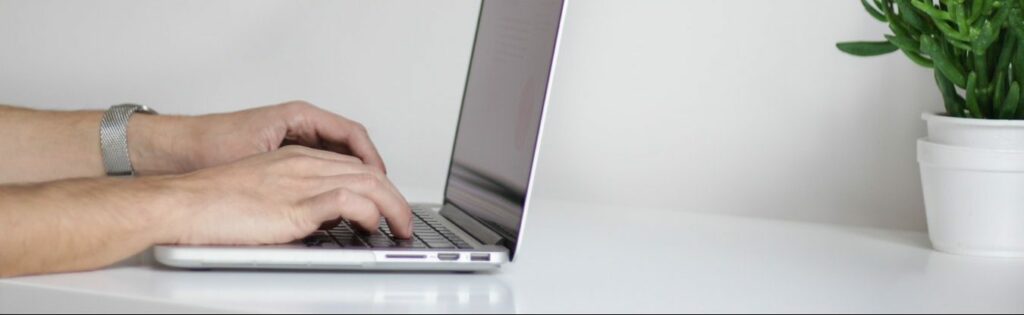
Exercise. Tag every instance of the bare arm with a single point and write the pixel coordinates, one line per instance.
(40, 146)
(217, 179)
(77, 224)
(269, 198)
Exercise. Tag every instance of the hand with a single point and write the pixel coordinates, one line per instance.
(179, 144)
(282, 196)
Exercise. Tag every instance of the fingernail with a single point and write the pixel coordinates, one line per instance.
(410, 227)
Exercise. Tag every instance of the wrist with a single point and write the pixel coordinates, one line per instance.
(158, 144)
(166, 204)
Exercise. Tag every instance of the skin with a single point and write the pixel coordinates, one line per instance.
(263, 176)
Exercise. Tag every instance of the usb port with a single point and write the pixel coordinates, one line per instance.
(448, 257)
(480, 257)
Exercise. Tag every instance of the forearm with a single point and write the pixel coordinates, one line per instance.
(39, 146)
(82, 224)
(44, 145)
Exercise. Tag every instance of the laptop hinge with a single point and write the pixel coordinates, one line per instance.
(470, 225)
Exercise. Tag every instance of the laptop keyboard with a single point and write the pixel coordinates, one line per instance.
(428, 233)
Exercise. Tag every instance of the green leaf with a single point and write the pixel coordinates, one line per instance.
(904, 43)
(976, 10)
(1018, 61)
(954, 102)
(919, 60)
(873, 11)
(867, 49)
(1006, 52)
(909, 16)
(928, 7)
(972, 96)
(1000, 90)
(910, 48)
(1012, 102)
(943, 62)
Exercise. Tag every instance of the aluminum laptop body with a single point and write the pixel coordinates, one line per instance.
(480, 225)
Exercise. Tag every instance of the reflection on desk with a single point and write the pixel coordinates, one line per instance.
(323, 292)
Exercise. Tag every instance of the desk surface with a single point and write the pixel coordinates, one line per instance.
(584, 258)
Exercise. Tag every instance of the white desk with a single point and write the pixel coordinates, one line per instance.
(582, 258)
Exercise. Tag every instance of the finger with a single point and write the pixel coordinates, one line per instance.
(337, 130)
(322, 154)
(318, 128)
(315, 168)
(390, 203)
(345, 204)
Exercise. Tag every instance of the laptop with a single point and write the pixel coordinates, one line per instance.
(480, 224)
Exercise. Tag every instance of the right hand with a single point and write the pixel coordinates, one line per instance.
(282, 196)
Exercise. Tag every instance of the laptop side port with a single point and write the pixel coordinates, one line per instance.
(448, 256)
(480, 257)
(405, 256)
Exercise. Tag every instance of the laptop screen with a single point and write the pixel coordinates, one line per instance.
(501, 113)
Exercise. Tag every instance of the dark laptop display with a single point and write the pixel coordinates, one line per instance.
(503, 103)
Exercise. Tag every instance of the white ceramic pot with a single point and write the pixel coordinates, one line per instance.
(975, 133)
(972, 173)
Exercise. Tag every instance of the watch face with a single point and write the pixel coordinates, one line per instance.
(136, 108)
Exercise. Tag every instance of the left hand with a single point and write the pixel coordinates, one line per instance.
(182, 144)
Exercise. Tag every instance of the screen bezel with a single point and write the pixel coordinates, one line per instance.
(459, 218)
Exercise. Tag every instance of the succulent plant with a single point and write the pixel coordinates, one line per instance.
(976, 48)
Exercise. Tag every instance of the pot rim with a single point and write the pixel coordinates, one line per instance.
(944, 118)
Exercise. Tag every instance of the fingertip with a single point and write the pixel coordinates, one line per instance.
(410, 229)
(401, 230)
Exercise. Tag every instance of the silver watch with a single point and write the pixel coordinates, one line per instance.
(114, 138)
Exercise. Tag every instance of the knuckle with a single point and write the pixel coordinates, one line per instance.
(298, 105)
(302, 221)
(342, 196)
(359, 127)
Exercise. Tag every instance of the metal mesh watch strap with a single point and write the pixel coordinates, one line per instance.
(114, 138)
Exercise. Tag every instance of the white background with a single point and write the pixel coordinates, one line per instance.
(740, 107)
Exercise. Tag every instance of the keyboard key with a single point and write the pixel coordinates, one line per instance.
(318, 239)
(427, 230)
(378, 240)
(349, 240)
(342, 229)
(439, 244)
(402, 243)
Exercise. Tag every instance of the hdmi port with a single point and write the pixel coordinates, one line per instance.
(448, 257)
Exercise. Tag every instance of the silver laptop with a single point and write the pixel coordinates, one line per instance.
(480, 224)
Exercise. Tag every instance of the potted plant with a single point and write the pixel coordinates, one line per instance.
(972, 162)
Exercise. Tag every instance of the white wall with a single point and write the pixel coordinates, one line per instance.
(740, 107)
